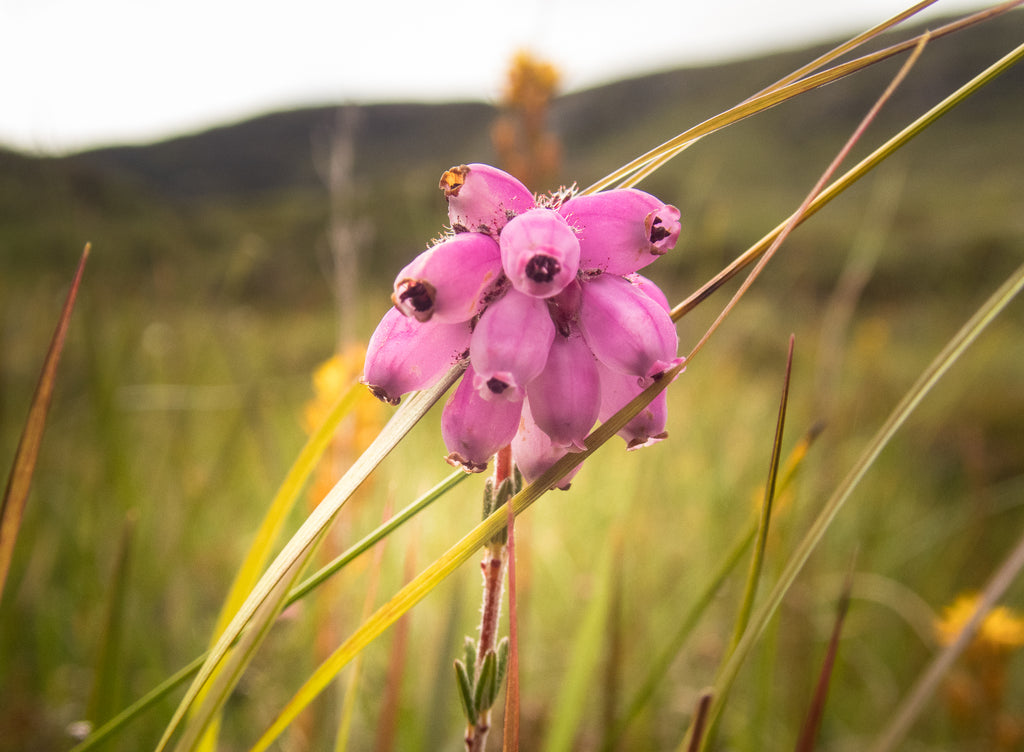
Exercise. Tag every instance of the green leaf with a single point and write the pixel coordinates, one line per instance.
(486, 688)
(466, 694)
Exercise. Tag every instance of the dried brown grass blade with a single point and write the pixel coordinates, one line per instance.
(809, 732)
(19, 482)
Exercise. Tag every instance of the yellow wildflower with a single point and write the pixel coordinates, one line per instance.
(1002, 630)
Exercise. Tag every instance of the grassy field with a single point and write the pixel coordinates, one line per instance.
(179, 409)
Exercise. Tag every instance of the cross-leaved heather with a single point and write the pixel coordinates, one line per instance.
(540, 296)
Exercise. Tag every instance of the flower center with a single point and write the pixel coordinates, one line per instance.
(497, 386)
(542, 269)
(658, 231)
(418, 296)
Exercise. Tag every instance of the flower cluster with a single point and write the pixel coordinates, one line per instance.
(543, 297)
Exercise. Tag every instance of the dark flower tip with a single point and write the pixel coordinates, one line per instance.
(381, 393)
(456, 460)
(542, 269)
(415, 298)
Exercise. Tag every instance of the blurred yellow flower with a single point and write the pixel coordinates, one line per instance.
(1002, 630)
(331, 380)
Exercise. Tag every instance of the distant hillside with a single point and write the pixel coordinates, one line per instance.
(213, 197)
(274, 152)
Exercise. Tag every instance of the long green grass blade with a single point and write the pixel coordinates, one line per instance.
(674, 646)
(764, 518)
(779, 94)
(459, 554)
(274, 520)
(260, 608)
(106, 684)
(307, 586)
(12, 508)
(928, 379)
(928, 682)
(656, 163)
(854, 174)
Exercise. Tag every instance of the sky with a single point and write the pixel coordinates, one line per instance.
(76, 74)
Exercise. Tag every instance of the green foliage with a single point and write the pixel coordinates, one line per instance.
(179, 402)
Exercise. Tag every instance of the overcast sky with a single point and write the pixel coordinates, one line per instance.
(80, 73)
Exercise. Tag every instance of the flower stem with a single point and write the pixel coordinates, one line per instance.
(493, 569)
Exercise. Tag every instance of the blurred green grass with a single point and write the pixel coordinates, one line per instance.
(180, 397)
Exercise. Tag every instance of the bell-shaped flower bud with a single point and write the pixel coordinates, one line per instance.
(566, 396)
(539, 252)
(623, 230)
(534, 453)
(627, 330)
(647, 426)
(451, 282)
(404, 355)
(482, 198)
(510, 345)
(473, 428)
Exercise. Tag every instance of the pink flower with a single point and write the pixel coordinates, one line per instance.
(405, 355)
(482, 198)
(451, 282)
(566, 395)
(627, 330)
(540, 253)
(621, 231)
(648, 426)
(473, 428)
(534, 452)
(510, 345)
(543, 298)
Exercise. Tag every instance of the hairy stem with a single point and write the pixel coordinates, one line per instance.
(493, 569)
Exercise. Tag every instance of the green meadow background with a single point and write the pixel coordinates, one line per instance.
(209, 300)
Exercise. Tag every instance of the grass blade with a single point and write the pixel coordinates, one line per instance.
(777, 95)
(754, 576)
(266, 598)
(809, 732)
(348, 704)
(12, 509)
(510, 739)
(306, 587)
(926, 685)
(452, 559)
(924, 384)
(660, 666)
(106, 686)
(274, 520)
(855, 173)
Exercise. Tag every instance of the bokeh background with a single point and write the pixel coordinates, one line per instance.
(234, 255)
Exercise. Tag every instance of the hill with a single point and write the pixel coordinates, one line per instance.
(200, 197)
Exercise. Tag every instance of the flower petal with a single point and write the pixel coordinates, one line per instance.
(627, 330)
(404, 355)
(534, 453)
(651, 290)
(648, 426)
(473, 428)
(510, 345)
(482, 198)
(621, 230)
(539, 252)
(566, 396)
(451, 282)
